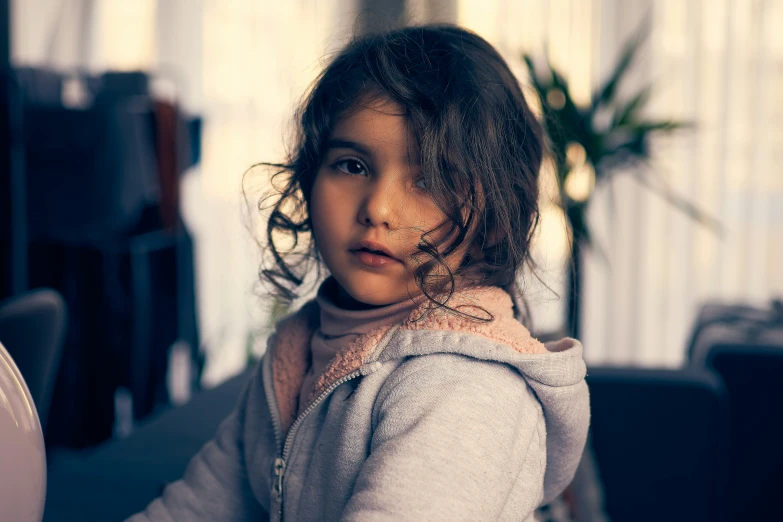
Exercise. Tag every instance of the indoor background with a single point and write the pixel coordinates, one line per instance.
(186, 96)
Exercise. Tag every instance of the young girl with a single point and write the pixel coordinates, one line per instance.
(407, 389)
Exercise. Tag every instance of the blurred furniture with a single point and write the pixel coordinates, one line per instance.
(660, 438)
(90, 172)
(721, 323)
(121, 477)
(13, 262)
(744, 345)
(104, 229)
(32, 328)
(13, 212)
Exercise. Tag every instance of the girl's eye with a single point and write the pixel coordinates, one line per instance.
(351, 166)
(421, 183)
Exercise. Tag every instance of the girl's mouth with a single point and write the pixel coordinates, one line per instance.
(372, 254)
(373, 258)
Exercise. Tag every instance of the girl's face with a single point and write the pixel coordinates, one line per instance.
(369, 207)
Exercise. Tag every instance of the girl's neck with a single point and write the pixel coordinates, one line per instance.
(345, 301)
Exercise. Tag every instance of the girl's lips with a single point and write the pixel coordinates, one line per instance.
(372, 254)
(379, 249)
(373, 260)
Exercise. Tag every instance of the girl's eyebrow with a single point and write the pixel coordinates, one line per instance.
(336, 143)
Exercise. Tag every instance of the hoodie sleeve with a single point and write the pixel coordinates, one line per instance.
(453, 436)
(215, 485)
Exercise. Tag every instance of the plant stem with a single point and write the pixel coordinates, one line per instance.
(574, 290)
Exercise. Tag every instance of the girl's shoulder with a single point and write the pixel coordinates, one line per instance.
(486, 312)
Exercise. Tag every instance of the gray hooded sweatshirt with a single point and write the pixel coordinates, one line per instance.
(440, 417)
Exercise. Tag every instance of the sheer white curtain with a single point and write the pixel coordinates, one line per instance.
(92, 35)
(255, 60)
(242, 65)
(718, 63)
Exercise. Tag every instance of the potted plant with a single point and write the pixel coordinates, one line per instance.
(586, 151)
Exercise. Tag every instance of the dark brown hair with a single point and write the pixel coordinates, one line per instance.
(480, 150)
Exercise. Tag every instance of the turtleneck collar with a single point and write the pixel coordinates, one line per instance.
(338, 322)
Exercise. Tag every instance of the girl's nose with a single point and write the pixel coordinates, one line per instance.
(379, 205)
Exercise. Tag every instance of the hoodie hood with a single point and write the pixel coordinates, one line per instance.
(555, 371)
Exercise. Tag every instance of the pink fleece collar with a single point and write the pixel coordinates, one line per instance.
(290, 346)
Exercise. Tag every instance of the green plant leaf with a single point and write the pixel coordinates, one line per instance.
(634, 138)
(625, 149)
(662, 126)
(624, 144)
(629, 113)
(607, 91)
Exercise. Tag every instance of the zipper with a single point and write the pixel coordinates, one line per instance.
(291, 432)
(277, 487)
(277, 428)
(280, 462)
(277, 423)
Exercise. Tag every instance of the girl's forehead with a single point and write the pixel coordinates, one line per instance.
(379, 127)
(372, 99)
(372, 111)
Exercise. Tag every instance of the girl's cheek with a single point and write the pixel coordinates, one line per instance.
(320, 186)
